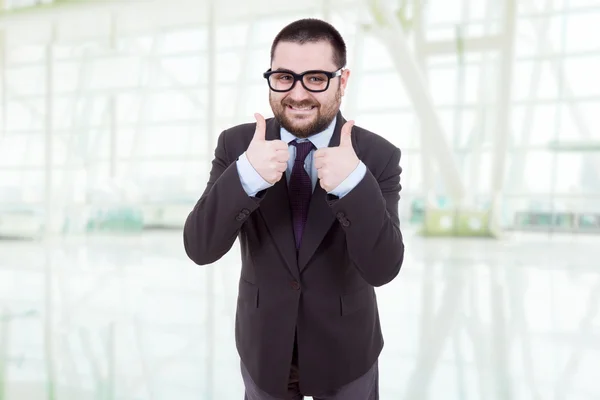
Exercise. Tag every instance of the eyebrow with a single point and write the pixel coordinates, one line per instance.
(299, 73)
(284, 70)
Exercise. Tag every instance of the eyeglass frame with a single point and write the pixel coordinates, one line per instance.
(300, 77)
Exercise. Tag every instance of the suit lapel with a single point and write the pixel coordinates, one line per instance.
(275, 209)
(320, 216)
(276, 212)
(319, 221)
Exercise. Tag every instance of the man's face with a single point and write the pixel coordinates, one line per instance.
(299, 111)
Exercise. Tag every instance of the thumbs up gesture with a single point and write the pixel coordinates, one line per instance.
(334, 164)
(268, 157)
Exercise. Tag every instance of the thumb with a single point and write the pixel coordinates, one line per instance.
(261, 127)
(346, 136)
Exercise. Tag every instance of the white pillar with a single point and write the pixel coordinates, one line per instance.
(113, 107)
(426, 156)
(48, 129)
(350, 101)
(211, 59)
(326, 7)
(241, 96)
(3, 81)
(210, 143)
(481, 114)
(392, 35)
(503, 126)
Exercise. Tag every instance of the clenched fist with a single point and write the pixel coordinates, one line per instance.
(268, 157)
(334, 164)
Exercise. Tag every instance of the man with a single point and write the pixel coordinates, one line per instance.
(313, 200)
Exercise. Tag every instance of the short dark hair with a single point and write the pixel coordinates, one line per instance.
(311, 30)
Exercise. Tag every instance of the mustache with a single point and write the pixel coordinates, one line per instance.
(300, 104)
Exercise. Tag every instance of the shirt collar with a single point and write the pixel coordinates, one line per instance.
(319, 140)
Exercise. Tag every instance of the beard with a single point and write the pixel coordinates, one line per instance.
(308, 126)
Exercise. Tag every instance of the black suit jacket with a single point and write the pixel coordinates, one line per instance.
(325, 293)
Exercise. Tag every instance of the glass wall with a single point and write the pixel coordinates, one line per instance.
(118, 108)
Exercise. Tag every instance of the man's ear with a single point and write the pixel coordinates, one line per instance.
(344, 80)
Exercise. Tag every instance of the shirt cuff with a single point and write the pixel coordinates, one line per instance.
(351, 181)
(251, 180)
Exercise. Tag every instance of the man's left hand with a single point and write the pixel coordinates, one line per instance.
(334, 164)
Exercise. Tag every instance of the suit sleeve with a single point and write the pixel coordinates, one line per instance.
(213, 224)
(351, 181)
(369, 216)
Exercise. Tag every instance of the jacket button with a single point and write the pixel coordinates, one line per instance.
(240, 217)
(246, 212)
(346, 223)
(340, 215)
(295, 285)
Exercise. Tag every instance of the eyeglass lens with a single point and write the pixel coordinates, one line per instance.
(312, 81)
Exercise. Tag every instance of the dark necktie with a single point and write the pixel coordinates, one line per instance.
(300, 189)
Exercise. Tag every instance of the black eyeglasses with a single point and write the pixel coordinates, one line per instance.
(313, 81)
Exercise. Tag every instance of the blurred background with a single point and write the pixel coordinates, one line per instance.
(109, 114)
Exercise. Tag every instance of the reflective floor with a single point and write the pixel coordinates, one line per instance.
(131, 318)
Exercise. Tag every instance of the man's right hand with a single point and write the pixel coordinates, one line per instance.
(268, 157)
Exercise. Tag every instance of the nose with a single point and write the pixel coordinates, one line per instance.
(298, 92)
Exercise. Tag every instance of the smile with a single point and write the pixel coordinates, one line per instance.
(301, 109)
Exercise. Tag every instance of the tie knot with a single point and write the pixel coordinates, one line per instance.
(302, 149)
